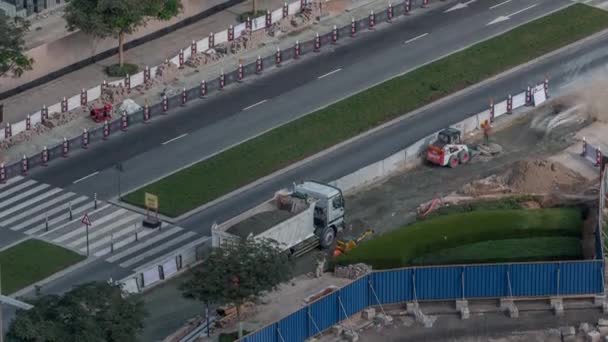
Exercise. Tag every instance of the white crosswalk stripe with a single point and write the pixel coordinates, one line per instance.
(116, 234)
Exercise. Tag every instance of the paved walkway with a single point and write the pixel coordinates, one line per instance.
(152, 53)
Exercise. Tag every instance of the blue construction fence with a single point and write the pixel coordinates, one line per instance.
(540, 279)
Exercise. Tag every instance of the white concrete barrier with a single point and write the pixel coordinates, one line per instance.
(277, 15)
(74, 102)
(500, 108)
(221, 37)
(137, 79)
(519, 100)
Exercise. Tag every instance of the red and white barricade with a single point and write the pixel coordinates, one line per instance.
(128, 83)
(181, 58)
(372, 20)
(285, 10)
(353, 27)
(528, 96)
(84, 143)
(65, 148)
(106, 130)
(248, 24)
(44, 113)
(222, 81)
(8, 131)
(240, 73)
(193, 48)
(184, 96)
(24, 165)
(389, 13)
(278, 57)
(44, 157)
(165, 104)
(146, 74)
(230, 33)
(259, 66)
(546, 87)
(2, 173)
(268, 19)
(124, 121)
(334, 35)
(408, 7)
(425, 3)
(317, 42)
(491, 110)
(83, 97)
(509, 104)
(28, 123)
(146, 112)
(297, 49)
(64, 105)
(203, 88)
(211, 40)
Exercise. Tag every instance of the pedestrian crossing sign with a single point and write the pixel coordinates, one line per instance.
(151, 201)
(86, 220)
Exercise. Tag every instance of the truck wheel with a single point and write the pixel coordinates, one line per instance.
(453, 162)
(327, 237)
(463, 157)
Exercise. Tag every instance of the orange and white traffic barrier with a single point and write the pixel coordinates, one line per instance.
(8, 131)
(24, 165)
(146, 74)
(44, 113)
(203, 88)
(222, 80)
(65, 148)
(165, 103)
(372, 20)
(146, 112)
(278, 58)
(211, 40)
(64, 105)
(230, 33)
(181, 58)
(296, 49)
(317, 42)
(268, 19)
(2, 173)
(353, 27)
(45, 156)
(193, 48)
(389, 13)
(83, 97)
(408, 7)
(84, 143)
(28, 123)
(509, 104)
(184, 96)
(259, 66)
(491, 110)
(106, 130)
(124, 121)
(334, 35)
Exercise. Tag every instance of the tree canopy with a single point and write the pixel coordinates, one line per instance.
(92, 312)
(238, 272)
(13, 60)
(116, 18)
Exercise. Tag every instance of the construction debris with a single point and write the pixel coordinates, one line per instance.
(228, 313)
(354, 271)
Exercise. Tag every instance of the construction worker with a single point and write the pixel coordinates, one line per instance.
(486, 131)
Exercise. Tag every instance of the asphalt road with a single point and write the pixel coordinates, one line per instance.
(211, 125)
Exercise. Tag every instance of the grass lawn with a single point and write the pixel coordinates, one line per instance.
(31, 261)
(509, 250)
(242, 164)
(401, 247)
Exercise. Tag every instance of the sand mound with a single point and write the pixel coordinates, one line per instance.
(540, 176)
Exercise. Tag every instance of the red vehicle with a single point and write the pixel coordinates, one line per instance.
(102, 114)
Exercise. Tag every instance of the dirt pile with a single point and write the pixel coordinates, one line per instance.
(541, 176)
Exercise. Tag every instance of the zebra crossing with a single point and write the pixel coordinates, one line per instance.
(602, 4)
(116, 234)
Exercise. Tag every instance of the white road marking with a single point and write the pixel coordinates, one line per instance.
(157, 249)
(86, 177)
(507, 17)
(329, 73)
(500, 4)
(16, 188)
(11, 181)
(146, 243)
(95, 224)
(172, 140)
(63, 225)
(22, 195)
(416, 38)
(460, 5)
(253, 105)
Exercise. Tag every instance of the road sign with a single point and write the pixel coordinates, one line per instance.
(85, 220)
(151, 201)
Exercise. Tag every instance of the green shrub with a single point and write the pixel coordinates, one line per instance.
(243, 17)
(115, 70)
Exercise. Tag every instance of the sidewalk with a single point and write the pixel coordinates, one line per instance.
(152, 53)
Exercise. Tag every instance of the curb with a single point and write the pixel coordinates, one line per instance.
(392, 122)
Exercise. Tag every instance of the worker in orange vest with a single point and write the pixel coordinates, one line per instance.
(486, 131)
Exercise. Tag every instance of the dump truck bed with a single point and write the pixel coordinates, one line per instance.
(259, 223)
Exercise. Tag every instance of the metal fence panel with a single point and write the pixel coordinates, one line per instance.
(485, 281)
(355, 297)
(294, 327)
(438, 283)
(392, 286)
(324, 312)
(581, 278)
(267, 334)
(533, 279)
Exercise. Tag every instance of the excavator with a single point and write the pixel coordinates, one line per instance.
(344, 246)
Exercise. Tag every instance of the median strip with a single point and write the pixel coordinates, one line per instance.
(227, 171)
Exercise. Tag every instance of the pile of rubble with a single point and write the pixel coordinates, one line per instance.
(202, 58)
(586, 331)
(354, 271)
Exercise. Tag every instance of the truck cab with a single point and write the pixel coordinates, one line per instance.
(329, 209)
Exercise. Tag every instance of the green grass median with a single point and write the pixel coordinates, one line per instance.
(428, 238)
(247, 162)
(31, 261)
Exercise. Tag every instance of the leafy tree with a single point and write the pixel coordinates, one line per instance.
(238, 272)
(92, 312)
(13, 60)
(117, 18)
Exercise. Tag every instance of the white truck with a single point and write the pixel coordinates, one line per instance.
(299, 220)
